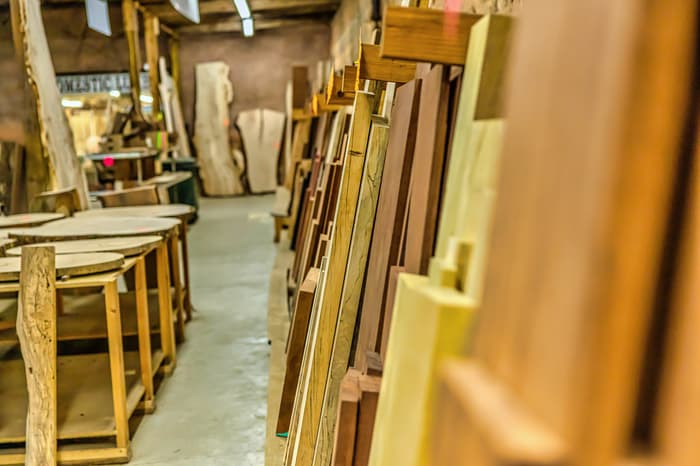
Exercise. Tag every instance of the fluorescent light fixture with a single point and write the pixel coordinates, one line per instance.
(115, 93)
(248, 27)
(242, 8)
(146, 99)
(71, 103)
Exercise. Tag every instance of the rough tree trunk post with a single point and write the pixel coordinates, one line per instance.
(36, 328)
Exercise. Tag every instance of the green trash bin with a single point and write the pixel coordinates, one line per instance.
(186, 192)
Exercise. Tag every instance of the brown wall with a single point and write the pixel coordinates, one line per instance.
(260, 66)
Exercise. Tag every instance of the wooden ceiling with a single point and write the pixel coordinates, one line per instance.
(221, 15)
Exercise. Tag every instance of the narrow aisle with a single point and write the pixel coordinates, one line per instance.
(212, 410)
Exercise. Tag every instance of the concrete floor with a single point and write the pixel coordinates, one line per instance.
(212, 410)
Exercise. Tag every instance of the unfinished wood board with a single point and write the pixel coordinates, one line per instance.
(339, 249)
(295, 347)
(372, 66)
(429, 324)
(36, 331)
(66, 265)
(28, 220)
(343, 449)
(84, 409)
(300, 86)
(220, 177)
(353, 286)
(300, 141)
(98, 227)
(126, 246)
(261, 133)
(392, 285)
(369, 397)
(391, 210)
(426, 35)
(159, 210)
(55, 134)
(427, 170)
(594, 195)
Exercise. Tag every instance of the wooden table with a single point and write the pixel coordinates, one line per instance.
(28, 220)
(89, 384)
(138, 155)
(183, 212)
(89, 227)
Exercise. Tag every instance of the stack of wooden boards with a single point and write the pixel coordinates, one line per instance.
(590, 259)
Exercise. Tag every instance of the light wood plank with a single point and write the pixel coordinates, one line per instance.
(372, 66)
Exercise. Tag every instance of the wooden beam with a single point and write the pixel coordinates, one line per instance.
(174, 46)
(131, 31)
(36, 329)
(349, 82)
(234, 25)
(426, 35)
(151, 31)
(372, 66)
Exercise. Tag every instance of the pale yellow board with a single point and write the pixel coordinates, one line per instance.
(352, 288)
(429, 324)
(261, 132)
(338, 256)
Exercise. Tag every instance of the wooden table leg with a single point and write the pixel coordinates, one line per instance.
(144, 332)
(175, 269)
(186, 268)
(116, 363)
(165, 306)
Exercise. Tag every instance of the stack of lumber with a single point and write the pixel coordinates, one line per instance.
(419, 212)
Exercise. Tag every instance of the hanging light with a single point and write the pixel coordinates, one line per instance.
(242, 8)
(248, 27)
(68, 103)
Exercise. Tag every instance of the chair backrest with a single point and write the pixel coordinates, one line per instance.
(64, 201)
(143, 195)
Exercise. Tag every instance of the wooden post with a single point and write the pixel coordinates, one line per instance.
(151, 30)
(174, 45)
(131, 30)
(36, 329)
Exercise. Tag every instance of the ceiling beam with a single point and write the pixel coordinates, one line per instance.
(234, 25)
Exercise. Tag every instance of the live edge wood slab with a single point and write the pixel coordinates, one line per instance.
(28, 220)
(66, 265)
(127, 246)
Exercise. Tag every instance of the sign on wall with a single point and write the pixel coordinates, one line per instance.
(98, 83)
(97, 12)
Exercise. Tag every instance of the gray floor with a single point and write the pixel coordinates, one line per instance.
(212, 410)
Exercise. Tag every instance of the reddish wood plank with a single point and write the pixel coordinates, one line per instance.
(346, 427)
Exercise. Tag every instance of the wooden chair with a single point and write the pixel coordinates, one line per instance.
(143, 195)
(64, 201)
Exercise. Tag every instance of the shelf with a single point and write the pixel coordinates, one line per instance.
(85, 407)
(84, 317)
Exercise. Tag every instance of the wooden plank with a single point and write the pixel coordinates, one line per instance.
(353, 287)
(427, 171)
(65, 170)
(36, 328)
(295, 347)
(340, 245)
(131, 31)
(67, 264)
(350, 81)
(369, 397)
(126, 246)
(602, 182)
(433, 322)
(28, 220)
(426, 35)
(392, 285)
(102, 227)
(348, 410)
(373, 67)
(391, 207)
(300, 86)
(220, 176)
(261, 133)
(151, 31)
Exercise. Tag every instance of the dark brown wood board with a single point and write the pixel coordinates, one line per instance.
(427, 171)
(346, 428)
(295, 347)
(369, 395)
(393, 195)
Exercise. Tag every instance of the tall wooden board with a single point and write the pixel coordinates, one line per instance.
(339, 249)
(220, 176)
(391, 209)
(261, 131)
(352, 288)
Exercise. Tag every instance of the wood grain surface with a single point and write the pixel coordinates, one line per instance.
(126, 246)
(66, 265)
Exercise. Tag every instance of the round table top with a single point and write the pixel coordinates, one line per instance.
(95, 227)
(67, 264)
(27, 220)
(127, 246)
(158, 210)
